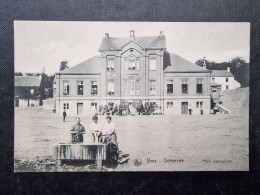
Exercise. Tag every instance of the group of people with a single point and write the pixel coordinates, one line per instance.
(100, 133)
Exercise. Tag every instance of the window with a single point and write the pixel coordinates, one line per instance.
(213, 79)
(170, 87)
(169, 104)
(152, 64)
(137, 64)
(137, 91)
(132, 63)
(31, 91)
(66, 106)
(133, 87)
(226, 79)
(199, 86)
(66, 88)
(110, 88)
(93, 87)
(227, 86)
(94, 106)
(110, 64)
(152, 87)
(199, 104)
(80, 87)
(184, 86)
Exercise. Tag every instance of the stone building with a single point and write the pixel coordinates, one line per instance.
(133, 69)
(225, 79)
(26, 90)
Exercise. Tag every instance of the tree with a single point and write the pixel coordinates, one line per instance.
(238, 62)
(200, 62)
(64, 65)
(32, 74)
(18, 74)
(210, 65)
(240, 70)
(115, 111)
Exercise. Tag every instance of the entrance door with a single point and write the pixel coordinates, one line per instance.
(80, 108)
(184, 107)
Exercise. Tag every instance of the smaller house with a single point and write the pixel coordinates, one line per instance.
(225, 79)
(26, 90)
(215, 93)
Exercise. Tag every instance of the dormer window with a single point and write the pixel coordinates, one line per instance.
(110, 64)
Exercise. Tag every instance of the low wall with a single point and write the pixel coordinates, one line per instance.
(32, 102)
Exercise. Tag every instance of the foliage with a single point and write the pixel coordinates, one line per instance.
(149, 108)
(18, 74)
(116, 109)
(100, 109)
(32, 74)
(105, 110)
(238, 67)
(140, 109)
(238, 62)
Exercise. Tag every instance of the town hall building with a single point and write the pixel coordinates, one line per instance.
(133, 69)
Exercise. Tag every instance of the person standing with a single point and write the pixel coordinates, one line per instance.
(64, 115)
(96, 129)
(190, 110)
(77, 132)
(108, 132)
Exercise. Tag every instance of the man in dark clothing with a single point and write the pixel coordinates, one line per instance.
(64, 115)
(77, 132)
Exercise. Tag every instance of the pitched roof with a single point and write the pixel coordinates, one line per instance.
(116, 43)
(90, 66)
(179, 64)
(26, 81)
(220, 73)
(214, 84)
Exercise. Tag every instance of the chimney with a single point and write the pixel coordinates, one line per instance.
(132, 34)
(204, 64)
(106, 36)
(161, 34)
(228, 69)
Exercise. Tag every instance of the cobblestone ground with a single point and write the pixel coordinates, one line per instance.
(160, 143)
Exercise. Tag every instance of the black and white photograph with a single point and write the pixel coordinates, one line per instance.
(131, 96)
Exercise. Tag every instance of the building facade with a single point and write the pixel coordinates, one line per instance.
(225, 79)
(26, 90)
(133, 69)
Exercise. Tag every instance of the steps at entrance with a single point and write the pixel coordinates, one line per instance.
(222, 109)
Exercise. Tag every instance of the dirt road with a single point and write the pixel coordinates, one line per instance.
(162, 143)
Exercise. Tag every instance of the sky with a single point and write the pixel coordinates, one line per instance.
(45, 44)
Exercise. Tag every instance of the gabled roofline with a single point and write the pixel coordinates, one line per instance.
(130, 42)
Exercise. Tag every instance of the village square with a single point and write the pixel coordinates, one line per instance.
(134, 107)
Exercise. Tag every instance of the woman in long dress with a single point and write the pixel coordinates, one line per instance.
(96, 129)
(108, 132)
